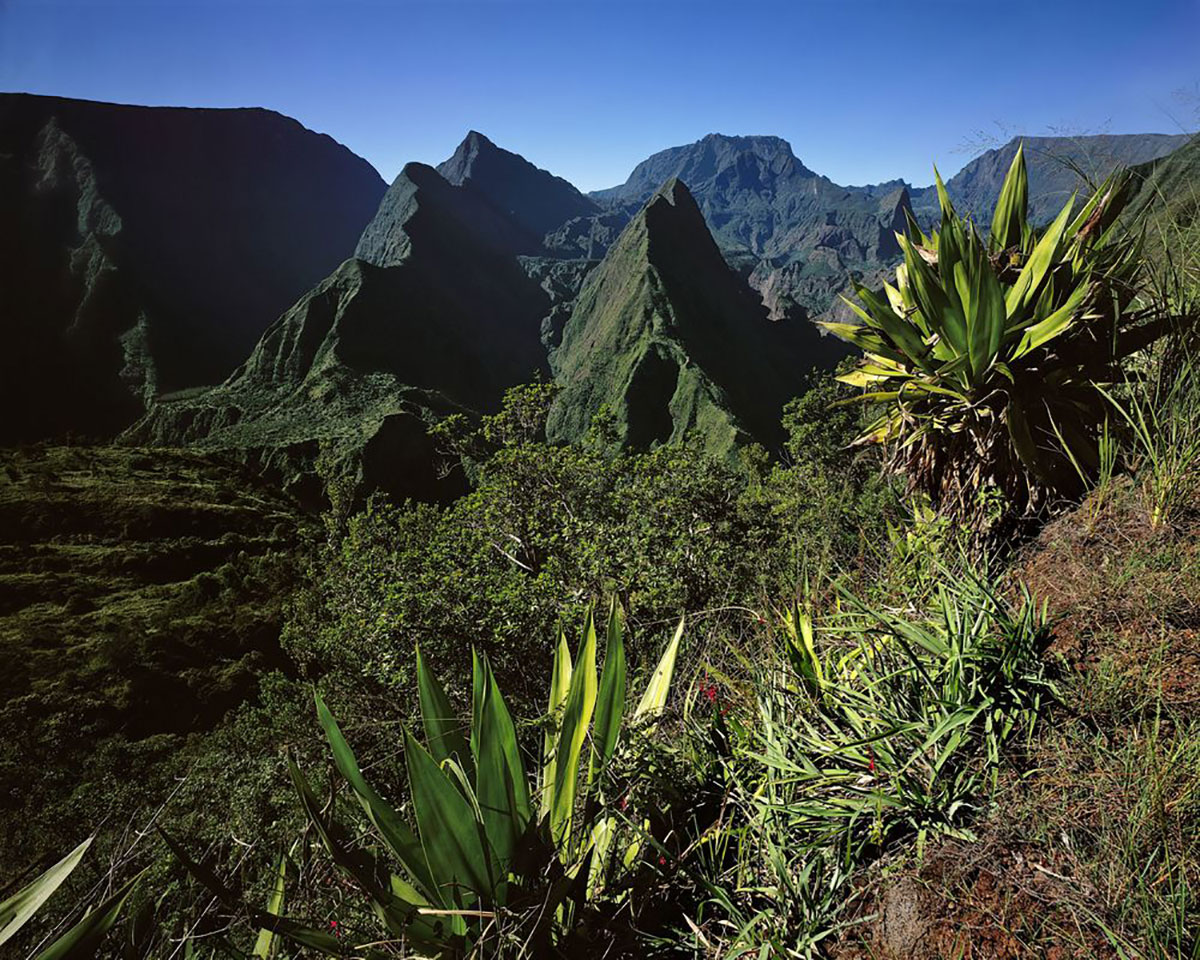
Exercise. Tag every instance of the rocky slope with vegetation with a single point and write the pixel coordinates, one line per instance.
(667, 339)
(145, 249)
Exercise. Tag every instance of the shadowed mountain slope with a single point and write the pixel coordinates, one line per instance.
(144, 249)
(534, 199)
(436, 315)
(670, 340)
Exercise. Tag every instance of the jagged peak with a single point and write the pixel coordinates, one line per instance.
(419, 175)
(675, 192)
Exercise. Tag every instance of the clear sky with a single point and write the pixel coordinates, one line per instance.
(864, 91)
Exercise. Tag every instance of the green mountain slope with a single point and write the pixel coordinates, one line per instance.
(144, 249)
(670, 340)
(1169, 198)
(795, 234)
(436, 315)
(141, 598)
(1057, 167)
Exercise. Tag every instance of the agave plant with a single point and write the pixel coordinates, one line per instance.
(489, 851)
(986, 354)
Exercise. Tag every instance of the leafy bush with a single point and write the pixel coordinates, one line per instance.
(985, 356)
(548, 527)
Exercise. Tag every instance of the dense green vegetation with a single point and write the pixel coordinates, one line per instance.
(885, 728)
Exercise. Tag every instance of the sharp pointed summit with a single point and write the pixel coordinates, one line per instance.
(533, 198)
(668, 338)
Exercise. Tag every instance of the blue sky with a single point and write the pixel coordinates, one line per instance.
(864, 91)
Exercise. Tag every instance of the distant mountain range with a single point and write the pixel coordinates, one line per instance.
(151, 249)
(795, 234)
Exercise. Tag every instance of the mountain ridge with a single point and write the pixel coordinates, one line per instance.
(666, 336)
(102, 314)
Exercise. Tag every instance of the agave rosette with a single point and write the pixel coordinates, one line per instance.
(984, 356)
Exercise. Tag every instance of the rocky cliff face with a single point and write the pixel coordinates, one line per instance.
(671, 340)
(144, 249)
(798, 236)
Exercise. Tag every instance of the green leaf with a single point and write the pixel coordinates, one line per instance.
(901, 332)
(1022, 438)
(985, 322)
(560, 685)
(943, 317)
(655, 698)
(610, 702)
(443, 730)
(803, 649)
(395, 832)
(501, 786)
(577, 715)
(1029, 282)
(943, 200)
(352, 857)
(1008, 219)
(1054, 324)
(265, 945)
(450, 832)
(83, 939)
(17, 909)
(865, 338)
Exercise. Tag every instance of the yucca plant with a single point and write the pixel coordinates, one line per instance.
(489, 859)
(985, 355)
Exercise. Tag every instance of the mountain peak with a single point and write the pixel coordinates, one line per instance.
(717, 162)
(671, 340)
(675, 192)
(533, 198)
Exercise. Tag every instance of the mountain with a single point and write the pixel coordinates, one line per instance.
(796, 235)
(145, 249)
(435, 314)
(531, 197)
(1168, 202)
(1055, 165)
(671, 340)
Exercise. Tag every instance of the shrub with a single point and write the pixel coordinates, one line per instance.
(881, 728)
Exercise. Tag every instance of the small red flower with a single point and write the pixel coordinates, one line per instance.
(335, 927)
(662, 861)
(871, 759)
